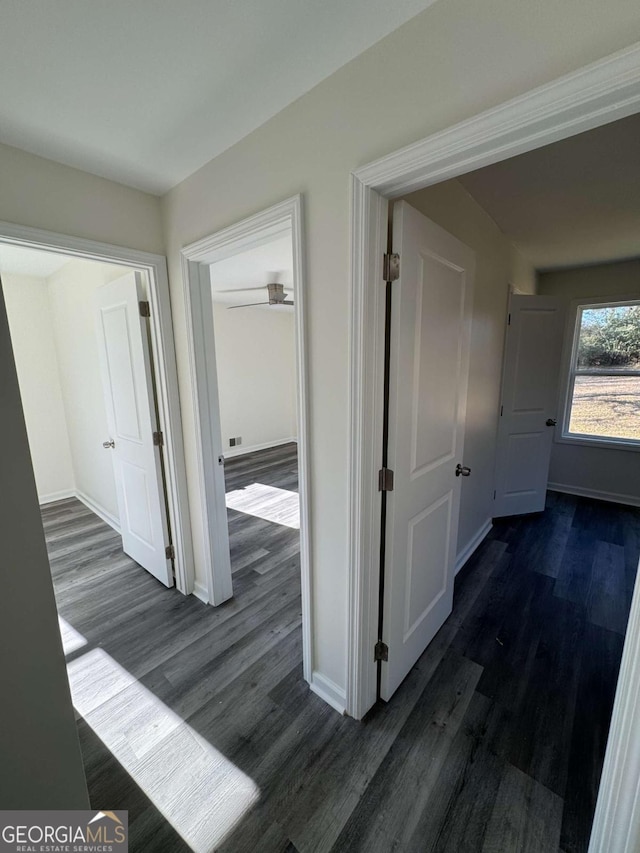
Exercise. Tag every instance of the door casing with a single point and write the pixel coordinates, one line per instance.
(595, 95)
(280, 220)
(164, 364)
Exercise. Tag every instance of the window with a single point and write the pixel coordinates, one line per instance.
(604, 383)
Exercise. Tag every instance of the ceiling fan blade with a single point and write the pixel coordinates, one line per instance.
(248, 305)
(241, 289)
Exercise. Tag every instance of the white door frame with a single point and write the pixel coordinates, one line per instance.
(282, 219)
(164, 361)
(595, 95)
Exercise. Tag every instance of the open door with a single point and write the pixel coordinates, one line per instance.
(430, 332)
(127, 381)
(529, 400)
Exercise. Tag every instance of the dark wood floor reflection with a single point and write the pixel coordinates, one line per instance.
(494, 742)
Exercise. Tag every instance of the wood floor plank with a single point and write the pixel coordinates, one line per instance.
(539, 730)
(501, 633)
(608, 605)
(598, 671)
(574, 577)
(461, 802)
(505, 644)
(386, 819)
(604, 520)
(285, 768)
(541, 542)
(342, 774)
(526, 817)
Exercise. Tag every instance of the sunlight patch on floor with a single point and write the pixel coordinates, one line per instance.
(267, 502)
(72, 640)
(199, 791)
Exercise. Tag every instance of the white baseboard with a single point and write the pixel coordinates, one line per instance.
(200, 591)
(56, 496)
(100, 511)
(471, 546)
(612, 497)
(328, 690)
(240, 451)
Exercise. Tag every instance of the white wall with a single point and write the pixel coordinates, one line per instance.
(41, 766)
(42, 194)
(524, 278)
(38, 731)
(255, 360)
(28, 309)
(498, 265)
(447, 64)
(53, 329)
(614, 279)
(73, 312)
(603, 471)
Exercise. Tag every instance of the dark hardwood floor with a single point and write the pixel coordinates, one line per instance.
(198, 722)
(261, 549)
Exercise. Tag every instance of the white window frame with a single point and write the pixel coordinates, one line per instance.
(569, 372)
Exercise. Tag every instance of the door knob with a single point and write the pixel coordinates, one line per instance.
(551, 421)
(108, 444)
(462, 470)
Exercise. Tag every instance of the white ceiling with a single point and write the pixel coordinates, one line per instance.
(571, 203)
(146, 92)
(32, 262)
(255, 268)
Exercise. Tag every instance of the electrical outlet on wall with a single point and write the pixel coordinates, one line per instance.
(235, 442)
(232, 442)
(239, 440)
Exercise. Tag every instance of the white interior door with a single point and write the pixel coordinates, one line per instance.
(129, 397)
(430, 336)
(529, 401)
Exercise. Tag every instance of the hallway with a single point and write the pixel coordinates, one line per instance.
(494, 742)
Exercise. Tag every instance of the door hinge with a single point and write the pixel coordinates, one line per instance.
(381, 651)
(391, 267)
(385, 480)
(509, 320)
(501, 410)
(145, 309)
(494, 494)
(158, 439)
(170, 552)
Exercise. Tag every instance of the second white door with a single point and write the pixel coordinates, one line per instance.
(129, 397)
(529, 403)
(430, 338)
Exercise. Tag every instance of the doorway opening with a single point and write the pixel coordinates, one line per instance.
(91, 331)
(489, 138)
(246, 317)
(589, 98)
(254, 323)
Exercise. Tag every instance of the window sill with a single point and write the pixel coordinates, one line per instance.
(604, 443)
